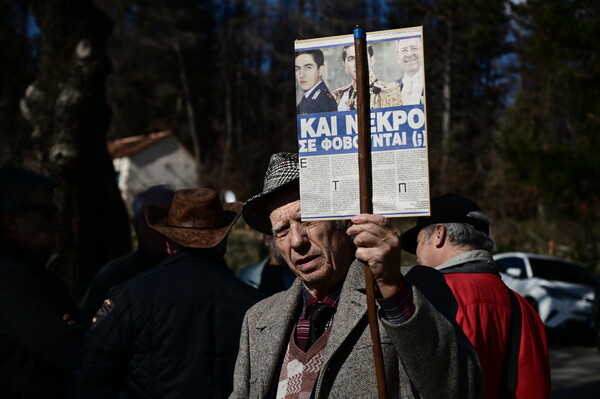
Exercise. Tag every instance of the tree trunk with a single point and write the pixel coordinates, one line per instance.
(447, 101)
(188, 99)
(67, 108)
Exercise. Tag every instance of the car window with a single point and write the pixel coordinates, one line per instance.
(562, 271)
(511, 263)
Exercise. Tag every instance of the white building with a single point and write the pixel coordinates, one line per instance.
(147, 160)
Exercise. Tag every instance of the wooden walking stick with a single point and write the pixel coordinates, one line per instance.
(366, 189)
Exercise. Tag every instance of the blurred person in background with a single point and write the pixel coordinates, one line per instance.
(150, 252)
(39, 322)
(271, 274)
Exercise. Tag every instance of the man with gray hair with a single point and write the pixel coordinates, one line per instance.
(313, 340)
(409, 55)
(150, 252)
(506, 332)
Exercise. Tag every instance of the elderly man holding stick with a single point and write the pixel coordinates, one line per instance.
(313, 340)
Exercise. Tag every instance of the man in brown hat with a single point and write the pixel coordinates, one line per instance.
(173, 331)
(150, 252)
(313, 340)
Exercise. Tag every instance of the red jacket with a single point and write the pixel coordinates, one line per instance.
(484, 315)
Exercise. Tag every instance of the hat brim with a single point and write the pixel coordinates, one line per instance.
(409, 239)
(254, 210)
(193, 237)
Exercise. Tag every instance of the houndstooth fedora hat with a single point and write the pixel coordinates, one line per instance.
(281, 172)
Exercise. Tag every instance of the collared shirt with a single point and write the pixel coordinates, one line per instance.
(476, 255)
(303, 324)
(412, 89)
(399, 307)
(309, 91)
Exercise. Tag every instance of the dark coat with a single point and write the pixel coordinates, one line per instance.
(37, 347)
(113, 273)
(319, 100)
(173, 332)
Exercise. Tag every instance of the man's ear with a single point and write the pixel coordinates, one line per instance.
(321, 71)
(170, 247)
(439, 235)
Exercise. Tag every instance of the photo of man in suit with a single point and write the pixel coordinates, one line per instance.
(409, 55)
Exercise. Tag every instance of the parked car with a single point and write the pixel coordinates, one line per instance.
(561, 291)
(596, 315)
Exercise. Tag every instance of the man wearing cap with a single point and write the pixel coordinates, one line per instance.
(313, 340)
(504, 329)
(173, 331)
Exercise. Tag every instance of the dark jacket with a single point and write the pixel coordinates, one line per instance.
(319, 100)
(173, 332)
(37, 347)
(113, 273)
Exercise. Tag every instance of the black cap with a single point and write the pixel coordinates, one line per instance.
(447, 208)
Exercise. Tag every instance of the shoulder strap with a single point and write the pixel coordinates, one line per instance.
(511, 360)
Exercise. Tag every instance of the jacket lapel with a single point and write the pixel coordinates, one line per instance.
(274, 328)
(351, 309)
(273, 333)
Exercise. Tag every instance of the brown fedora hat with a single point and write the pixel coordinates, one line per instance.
(196, 218)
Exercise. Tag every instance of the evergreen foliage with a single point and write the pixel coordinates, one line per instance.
(513, 110)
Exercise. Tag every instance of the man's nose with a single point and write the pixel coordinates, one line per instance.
(297, 235)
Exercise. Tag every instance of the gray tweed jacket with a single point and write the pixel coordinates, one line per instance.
(427, 356)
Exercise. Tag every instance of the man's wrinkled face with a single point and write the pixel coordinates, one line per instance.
(35, 225)
(308, 74)
(409, 54)
(317, 252)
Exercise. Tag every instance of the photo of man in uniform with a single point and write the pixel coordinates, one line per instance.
(309, 69)
(380, 94)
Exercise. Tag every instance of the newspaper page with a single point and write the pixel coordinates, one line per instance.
(328, 132)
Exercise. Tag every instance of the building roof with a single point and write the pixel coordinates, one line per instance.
(127, 146)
